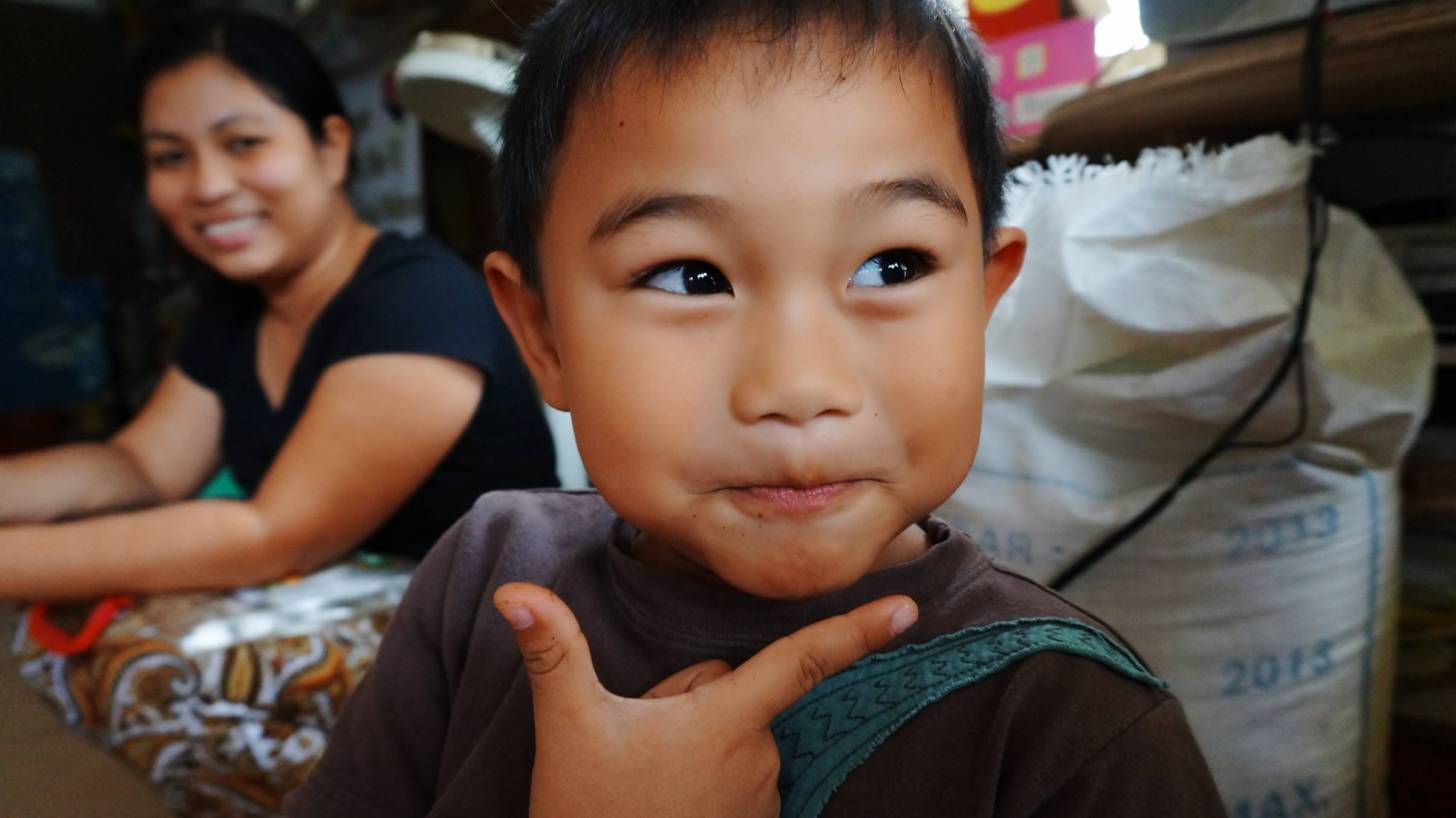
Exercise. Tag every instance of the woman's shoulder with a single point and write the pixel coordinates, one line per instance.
(399, 260)
(414, 295)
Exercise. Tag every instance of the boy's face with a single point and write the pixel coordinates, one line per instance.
(764, 306)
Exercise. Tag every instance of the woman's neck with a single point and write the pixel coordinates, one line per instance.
(296, 300)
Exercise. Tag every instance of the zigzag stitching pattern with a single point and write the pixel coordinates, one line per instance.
(833, 729)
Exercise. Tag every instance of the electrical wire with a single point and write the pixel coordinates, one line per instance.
(1317, 230)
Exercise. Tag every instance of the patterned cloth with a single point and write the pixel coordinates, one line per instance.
(224, 700)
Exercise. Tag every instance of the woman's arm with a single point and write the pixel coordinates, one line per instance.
(165, 453)
(373, 430)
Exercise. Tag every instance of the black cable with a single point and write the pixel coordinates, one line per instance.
(1302, 388)
(1317, 229)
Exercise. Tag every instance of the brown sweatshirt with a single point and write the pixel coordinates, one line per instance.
(442, 724)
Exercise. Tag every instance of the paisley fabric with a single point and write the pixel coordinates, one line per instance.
(224, 700)
(833, 729)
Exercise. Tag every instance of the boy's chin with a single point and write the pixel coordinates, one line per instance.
(785, 559)
(807, 572)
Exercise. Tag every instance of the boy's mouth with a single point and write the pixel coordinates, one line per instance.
(795, 498)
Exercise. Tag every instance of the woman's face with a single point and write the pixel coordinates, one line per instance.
(236, 176)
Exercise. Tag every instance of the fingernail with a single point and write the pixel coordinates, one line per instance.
(903, 617)
(519, 616)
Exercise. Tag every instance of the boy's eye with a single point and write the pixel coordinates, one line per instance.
(687, 278)
(891, 267)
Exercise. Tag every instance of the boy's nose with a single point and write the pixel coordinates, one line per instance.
(796, 366)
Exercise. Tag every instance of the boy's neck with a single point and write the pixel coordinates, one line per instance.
(906, 546)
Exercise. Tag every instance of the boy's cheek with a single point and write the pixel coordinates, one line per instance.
(637, 427)
(941, 432)
(940, 446)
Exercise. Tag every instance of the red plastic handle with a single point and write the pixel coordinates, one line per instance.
(56, 640)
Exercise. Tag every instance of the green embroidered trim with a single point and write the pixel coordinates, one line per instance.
(834, 728)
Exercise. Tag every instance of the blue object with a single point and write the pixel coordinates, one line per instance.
(52, 350)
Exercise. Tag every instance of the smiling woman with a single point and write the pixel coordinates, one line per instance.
(239, 178)
(302, 373)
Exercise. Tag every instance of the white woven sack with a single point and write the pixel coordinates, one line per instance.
(1156, 300)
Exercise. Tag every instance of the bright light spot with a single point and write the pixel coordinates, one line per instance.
(1121, 30)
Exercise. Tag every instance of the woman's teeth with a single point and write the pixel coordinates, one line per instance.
(230, 227)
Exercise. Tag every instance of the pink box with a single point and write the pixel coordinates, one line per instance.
(1035, 71)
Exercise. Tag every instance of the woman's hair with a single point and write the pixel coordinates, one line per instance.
(272, 56)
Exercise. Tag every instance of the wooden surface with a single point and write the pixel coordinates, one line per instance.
(48, 771)
(1390, 61)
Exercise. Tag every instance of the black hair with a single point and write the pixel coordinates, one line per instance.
(577, 45)
(271, 55)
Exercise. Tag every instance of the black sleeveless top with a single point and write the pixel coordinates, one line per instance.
(409, 295)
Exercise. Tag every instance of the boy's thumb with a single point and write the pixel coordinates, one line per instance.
(552, 645)
(777, 676)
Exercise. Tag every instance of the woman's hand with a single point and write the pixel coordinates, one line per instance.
(698, 743)
(364, 444)
(164, 454)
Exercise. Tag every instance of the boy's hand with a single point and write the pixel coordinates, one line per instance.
(698, 744)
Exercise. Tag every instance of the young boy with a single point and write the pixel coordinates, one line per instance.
(750, 246)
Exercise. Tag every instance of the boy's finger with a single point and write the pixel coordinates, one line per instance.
(781, 673)
(689, 679)
(552, 645)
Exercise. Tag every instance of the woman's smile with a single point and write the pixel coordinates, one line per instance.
(231, 234)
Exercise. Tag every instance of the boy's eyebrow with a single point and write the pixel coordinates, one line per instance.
(925, 188)
(643, 206)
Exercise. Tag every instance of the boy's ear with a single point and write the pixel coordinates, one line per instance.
(524, 312)
(1007, 253)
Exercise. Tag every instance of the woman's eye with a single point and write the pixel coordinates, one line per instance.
(688, 278)
(238, 144)
(890, 268)
(165, 160)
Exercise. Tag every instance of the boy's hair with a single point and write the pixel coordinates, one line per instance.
(577, 46)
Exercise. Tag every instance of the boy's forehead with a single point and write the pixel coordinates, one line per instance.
(732, 83)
